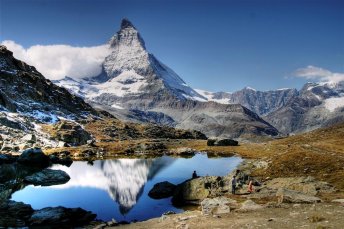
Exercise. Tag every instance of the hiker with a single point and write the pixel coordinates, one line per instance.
(250, 186)
(234, 181)
(194, 175)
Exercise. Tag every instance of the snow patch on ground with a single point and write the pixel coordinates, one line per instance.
(333, 103)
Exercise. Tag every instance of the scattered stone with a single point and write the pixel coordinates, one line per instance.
(169, 213)
(8, 147)
(341, 201)
(48, 177)
(29, 138)
(112, 223)
(91, 143)
(60, 216)
(307, 185)
(162, 190)
(34, 157)
(249, 205)
(290, 196)
(62, 144)
(71, 133)
(24, 146)
(218, 205)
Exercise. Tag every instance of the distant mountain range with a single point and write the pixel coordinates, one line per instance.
(289, 110)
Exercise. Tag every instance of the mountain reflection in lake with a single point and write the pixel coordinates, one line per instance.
(118, 188)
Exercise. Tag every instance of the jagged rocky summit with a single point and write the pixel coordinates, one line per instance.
(134, 85)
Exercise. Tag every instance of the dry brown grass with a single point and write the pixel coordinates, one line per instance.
(319, 153)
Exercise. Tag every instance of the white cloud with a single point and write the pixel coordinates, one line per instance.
(58, 61)
(320, 74)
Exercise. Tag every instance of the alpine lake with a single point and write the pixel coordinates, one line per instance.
(118, 188)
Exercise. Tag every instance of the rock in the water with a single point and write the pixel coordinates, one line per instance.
(34, 157)
(218, 205)
(162, 190)
(14, 214)
(60, 216)
(48, 177)
(290, 196)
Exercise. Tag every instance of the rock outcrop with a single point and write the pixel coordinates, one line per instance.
(48, 177)
(70, 133)
(193, 191)
(60, 216)
(162, 190)
(34, 157)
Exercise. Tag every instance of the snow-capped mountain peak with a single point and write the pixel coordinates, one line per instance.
(130, 70)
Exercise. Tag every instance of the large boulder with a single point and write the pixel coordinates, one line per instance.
(14, 214)
(60, 216)
(162, 190)
(48, 177)
(193, 191)
(216, 206)
(307, 185)
(291, 196)
(222, 142)
(249, 205)
(34, 157)
(71, 133)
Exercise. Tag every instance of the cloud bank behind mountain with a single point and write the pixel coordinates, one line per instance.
(57, 61)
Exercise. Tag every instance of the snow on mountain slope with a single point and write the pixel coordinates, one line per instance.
(332, 104)
(219, 97)
(130, 70)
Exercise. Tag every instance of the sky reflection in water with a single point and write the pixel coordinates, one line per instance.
(118, 188)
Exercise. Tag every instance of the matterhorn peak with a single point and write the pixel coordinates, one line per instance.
(126, 24)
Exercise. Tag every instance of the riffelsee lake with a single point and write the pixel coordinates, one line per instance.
(118, 188)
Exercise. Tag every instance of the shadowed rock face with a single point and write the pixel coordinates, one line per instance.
(24, 89)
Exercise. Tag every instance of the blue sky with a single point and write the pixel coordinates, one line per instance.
(214, 45)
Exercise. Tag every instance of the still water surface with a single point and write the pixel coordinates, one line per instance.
(118, 188)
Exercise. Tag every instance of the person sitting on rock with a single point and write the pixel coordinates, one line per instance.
(250, 186)
(234, 182)
(194, 175)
